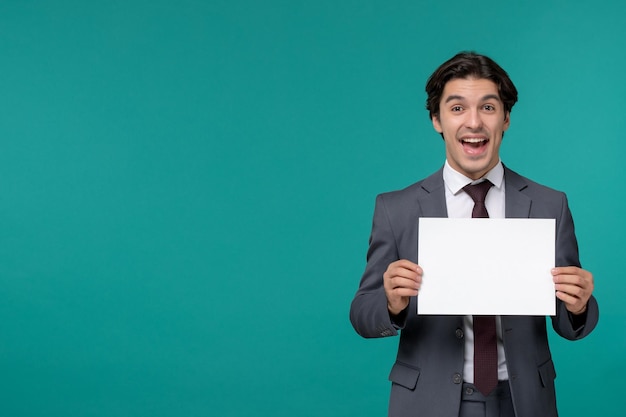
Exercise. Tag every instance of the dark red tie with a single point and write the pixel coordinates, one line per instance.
(485, 346)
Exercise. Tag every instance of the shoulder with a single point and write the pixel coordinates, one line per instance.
(529, 187)
(423, 187)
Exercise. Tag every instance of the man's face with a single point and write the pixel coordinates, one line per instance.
(472, 121)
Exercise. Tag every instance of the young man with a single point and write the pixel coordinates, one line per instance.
(470, 100)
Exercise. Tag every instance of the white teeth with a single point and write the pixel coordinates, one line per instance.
(473, 140)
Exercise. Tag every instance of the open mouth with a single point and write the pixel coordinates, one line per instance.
(474, 145)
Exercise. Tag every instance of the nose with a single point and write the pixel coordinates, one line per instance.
(473, 120)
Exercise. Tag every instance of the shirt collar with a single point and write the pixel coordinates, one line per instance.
(455, 181)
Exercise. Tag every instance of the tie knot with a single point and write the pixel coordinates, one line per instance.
(479, 191)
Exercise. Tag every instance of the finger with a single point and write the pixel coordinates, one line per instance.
(405, 263)
(399, 282)
(571, 290)
(572, 279)
(567, 270)
(402, 273)
(572, 271)
(573, 302)
(405, 292)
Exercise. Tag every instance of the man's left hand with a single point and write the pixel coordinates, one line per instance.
(574, 287)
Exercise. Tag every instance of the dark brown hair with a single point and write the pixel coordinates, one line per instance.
(469, 65)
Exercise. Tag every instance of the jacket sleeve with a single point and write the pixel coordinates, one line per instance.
(368, 313)
(567, 255)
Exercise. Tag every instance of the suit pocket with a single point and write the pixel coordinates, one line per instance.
(404, 375)
(547, 373)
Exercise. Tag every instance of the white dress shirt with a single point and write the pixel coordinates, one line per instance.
(459, 205)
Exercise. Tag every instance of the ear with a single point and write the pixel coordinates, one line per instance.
(507, 121)
(436, 123)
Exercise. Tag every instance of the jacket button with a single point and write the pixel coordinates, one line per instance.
(459, 334)
(456, 378)
(469, 391)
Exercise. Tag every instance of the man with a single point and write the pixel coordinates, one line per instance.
(470, 99)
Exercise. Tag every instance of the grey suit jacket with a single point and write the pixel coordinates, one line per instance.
(428, 373)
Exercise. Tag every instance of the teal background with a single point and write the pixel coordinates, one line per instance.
(186, 192)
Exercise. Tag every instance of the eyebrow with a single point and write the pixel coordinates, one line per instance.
(484, 98)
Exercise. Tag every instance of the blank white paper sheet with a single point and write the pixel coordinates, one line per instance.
(486, 266)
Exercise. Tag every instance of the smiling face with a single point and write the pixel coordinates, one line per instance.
(472, 121)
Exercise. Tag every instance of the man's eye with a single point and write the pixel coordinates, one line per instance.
(457, 108)
(489, 107)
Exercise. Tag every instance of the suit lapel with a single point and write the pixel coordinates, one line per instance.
(517, 204)
(433, 200)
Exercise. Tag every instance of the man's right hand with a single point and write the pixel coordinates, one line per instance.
(402, 280)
